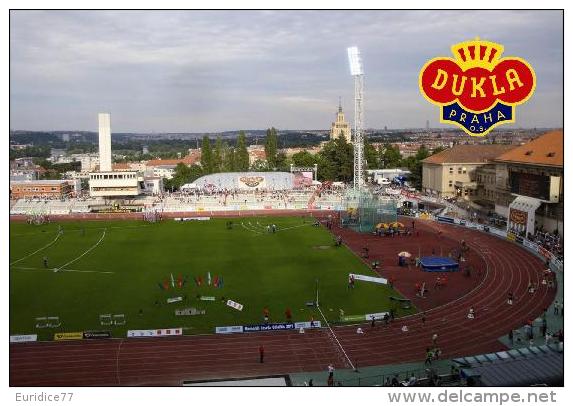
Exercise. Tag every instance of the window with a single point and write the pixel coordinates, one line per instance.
(459, 171)
(451, 183)
(451, 170)
(464, 170)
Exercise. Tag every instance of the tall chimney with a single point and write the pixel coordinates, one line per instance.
(104, 142)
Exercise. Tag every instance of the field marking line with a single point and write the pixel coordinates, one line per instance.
(21, 268)
(38, 250)
(336, 338)
(61, 268)
(248, 229)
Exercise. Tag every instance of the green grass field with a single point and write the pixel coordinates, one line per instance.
(122, 274)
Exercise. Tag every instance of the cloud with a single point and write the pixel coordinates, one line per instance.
(218, 70)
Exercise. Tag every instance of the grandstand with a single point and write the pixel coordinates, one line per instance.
(247, 181)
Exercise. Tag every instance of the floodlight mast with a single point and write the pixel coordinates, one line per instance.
(357, 71)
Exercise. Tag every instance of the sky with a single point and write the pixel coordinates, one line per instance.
(210, 71)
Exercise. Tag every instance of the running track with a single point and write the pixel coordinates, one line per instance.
(169, 361)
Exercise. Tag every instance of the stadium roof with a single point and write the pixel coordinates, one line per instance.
(546, 150)
(517, 367)
(468, 154)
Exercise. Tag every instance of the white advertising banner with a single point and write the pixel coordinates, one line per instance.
(368, 278)
(235, 305)
(377, 316)
(228, 329)
(162, 332)
(24, 338)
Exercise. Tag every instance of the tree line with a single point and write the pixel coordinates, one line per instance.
(335, 160)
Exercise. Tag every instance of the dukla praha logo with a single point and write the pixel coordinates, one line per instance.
(252, 181)
(477, 90)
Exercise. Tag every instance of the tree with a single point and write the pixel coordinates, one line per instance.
(241, 153)
(370, 154)
(229, 160)
(438, 150)
(415, 166)
(337, 160)
(271, 147)
(260, 165)
(390, 156)
(183, 174)
(218, 155)
(206, 155)
(304, 159)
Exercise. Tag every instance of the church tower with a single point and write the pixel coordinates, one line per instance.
(340, 128)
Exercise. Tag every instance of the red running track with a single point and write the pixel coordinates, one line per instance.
(169, 361)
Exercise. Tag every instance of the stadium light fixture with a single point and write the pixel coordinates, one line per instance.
(355, 61)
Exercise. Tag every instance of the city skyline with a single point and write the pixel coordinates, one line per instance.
(213, 71)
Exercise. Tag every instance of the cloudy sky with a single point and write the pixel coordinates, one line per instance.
(195, 71)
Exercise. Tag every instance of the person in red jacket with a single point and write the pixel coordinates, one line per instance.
(288, 315)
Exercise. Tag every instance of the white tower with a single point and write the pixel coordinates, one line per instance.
(357, 70)
(104, 142)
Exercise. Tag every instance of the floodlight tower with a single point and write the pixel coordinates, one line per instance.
(357, 71)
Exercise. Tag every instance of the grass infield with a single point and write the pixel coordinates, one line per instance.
(117, 267)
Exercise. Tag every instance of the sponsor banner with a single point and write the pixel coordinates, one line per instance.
(228, 329)
(94, 335)
(368, 278)
(207, 298)
(190, 311)
(234, 305)
(163, 332)
(174, 299)
(543, 252)
(530, 245)
(268, 327)
(192, 218)
(23, 338)
(445, 219)
(306, 324)
(364, 317)
(353, 317)
(510, 236)
(69, 336)
(377, 316)
(499, 232)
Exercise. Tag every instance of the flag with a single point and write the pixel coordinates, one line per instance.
(160, 285)
(172, 281)
(196, 280)
(200, 280)
(221, 282)
(209, 278)
(216, 281)
(165, 284)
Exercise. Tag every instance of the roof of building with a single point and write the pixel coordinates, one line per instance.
(546, 150)
(187, 160)
(468, 154)
(517, 367)
(39, 182)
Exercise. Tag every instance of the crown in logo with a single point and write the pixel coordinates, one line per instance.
(477, 53)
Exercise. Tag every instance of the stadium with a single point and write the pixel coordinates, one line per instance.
(242, 260)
